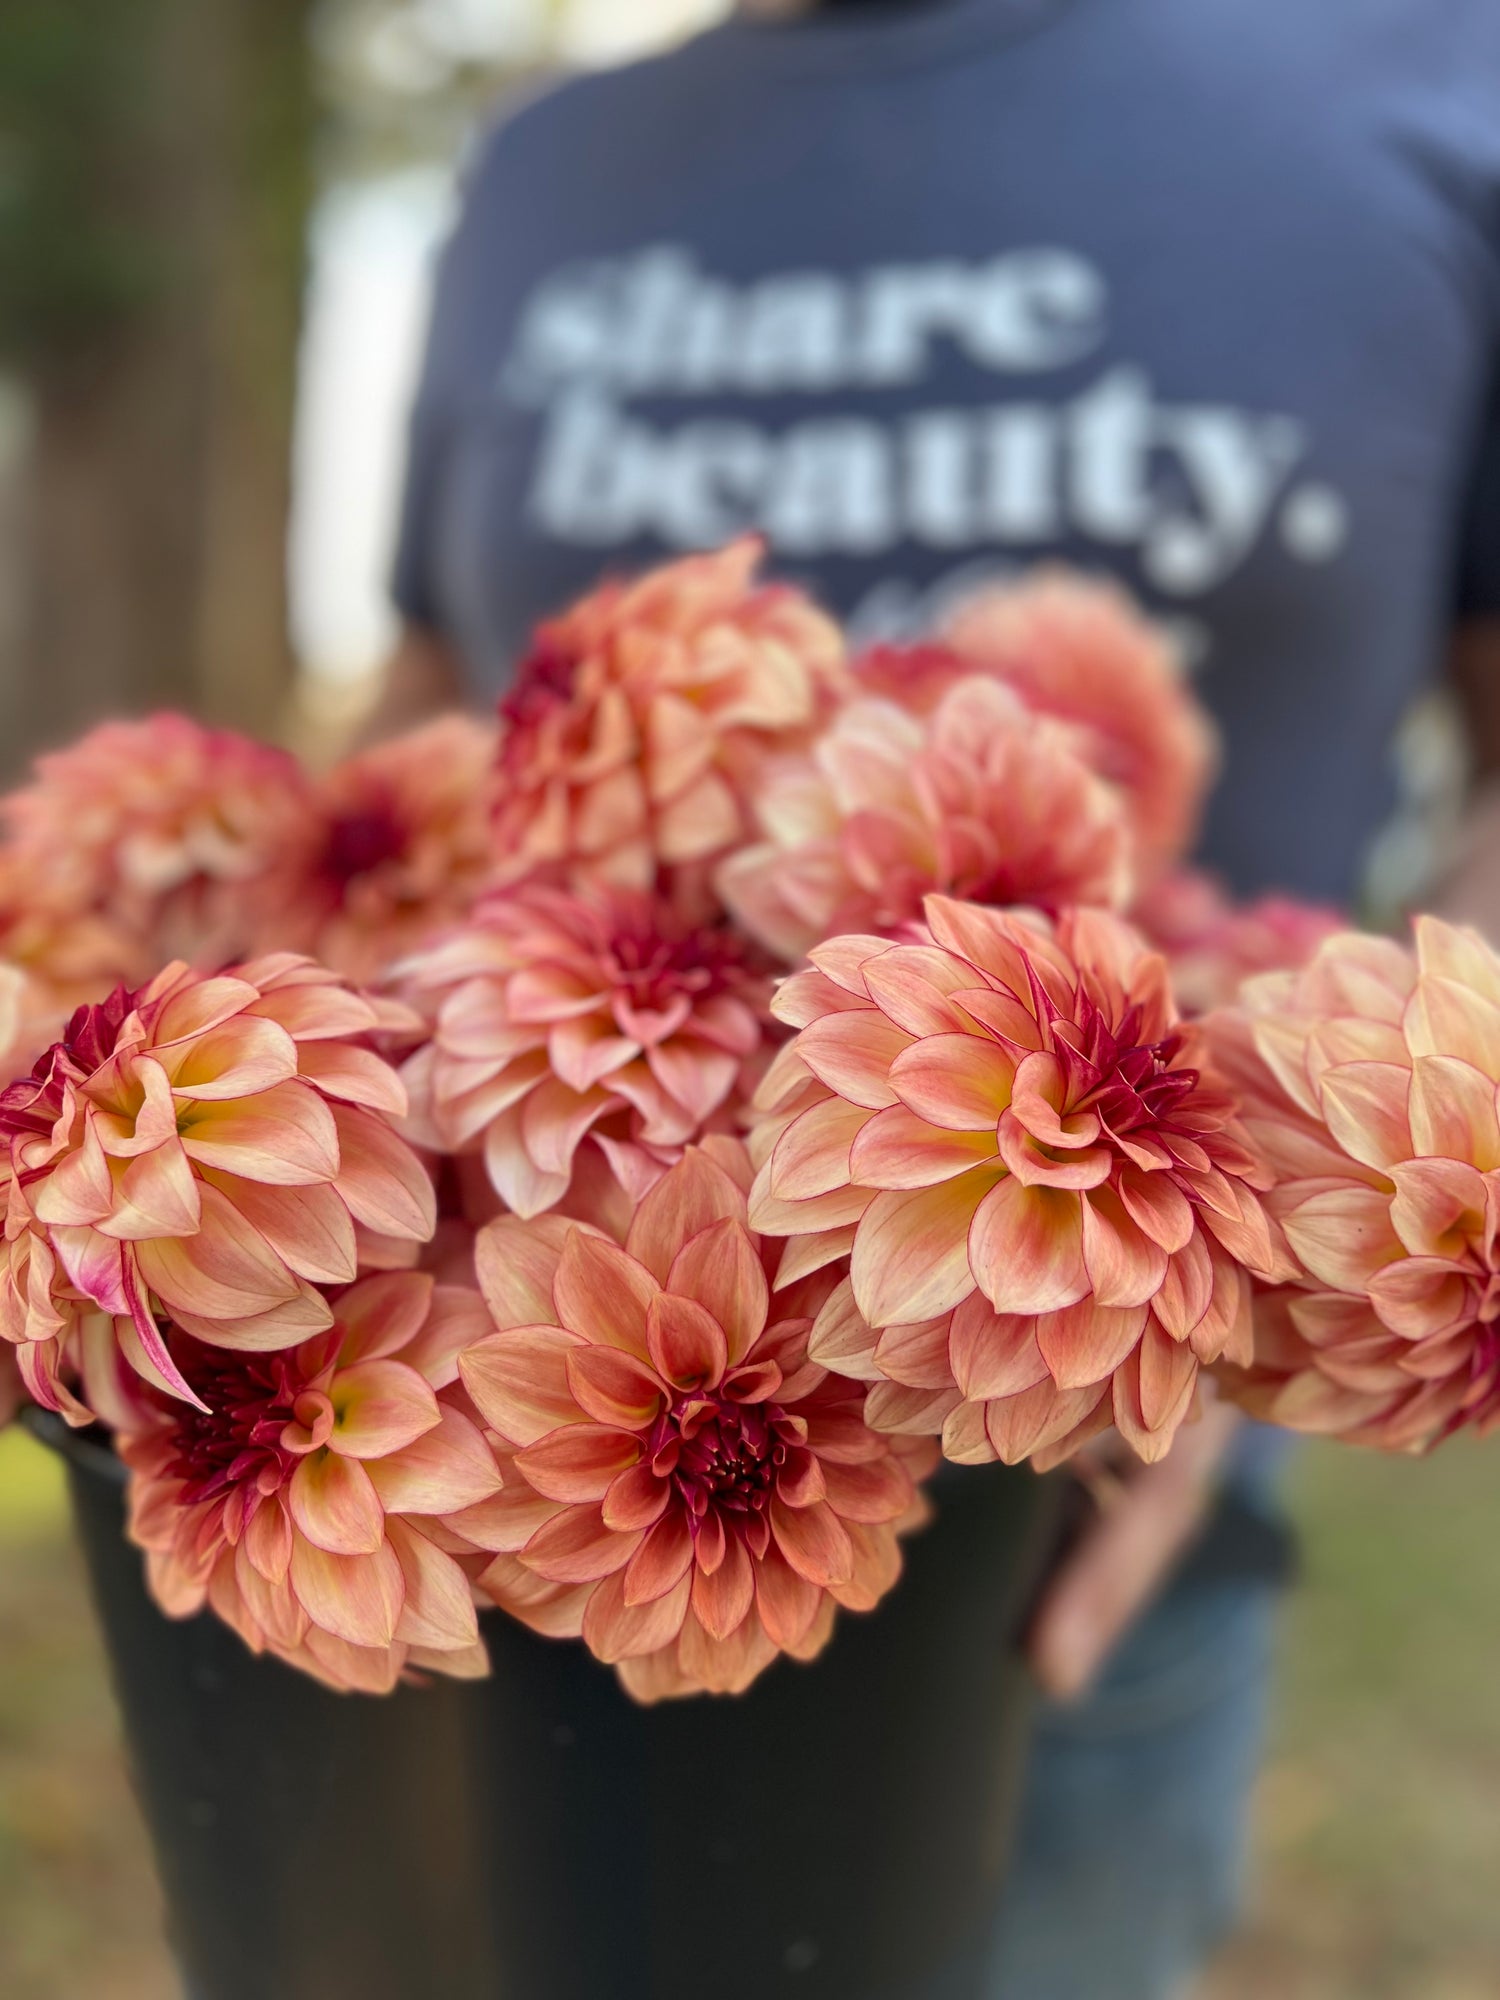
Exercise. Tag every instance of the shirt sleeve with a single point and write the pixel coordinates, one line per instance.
(1478, 592)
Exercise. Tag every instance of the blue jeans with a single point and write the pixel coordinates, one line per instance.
(1131, 1845)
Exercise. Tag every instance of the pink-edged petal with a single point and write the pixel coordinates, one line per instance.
(580, 1462)
(439, 1607)
(380, 1177)
(812, 1156)
(602, 1292)
(993, 1354)
(721, 1269)
(379, 1407)
(786, 1601)
(519, 1380)
(577, 1547)
(356, 1597)
(814, 1541)
(334, 1505)
(444, 1471)
(661, 1561)
(1086, 1342)
(960, 1082)
(686, 1343)
(852, 1054)
(1026, 1248)
(1124, 1264)
(722, 1597)
(309, 1228)
(911, 1257)
(286, 1136)
(897, 1149)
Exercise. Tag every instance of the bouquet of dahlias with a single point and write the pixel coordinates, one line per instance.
(595, 1167)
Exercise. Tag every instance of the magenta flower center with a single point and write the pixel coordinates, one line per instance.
(30, 1106)
(720, 1455)
(1127, 1083)
(237, 1441)
(652, 963)
(543, 683)
(361, 841)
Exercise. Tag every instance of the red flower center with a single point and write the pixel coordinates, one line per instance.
(544, 682)
(723, 1457)
(1128, 1083)
(653, 958)
(30, 1106)
(361, 841)
(237, 1441)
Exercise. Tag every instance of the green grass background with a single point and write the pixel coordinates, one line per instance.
(1377, 1820)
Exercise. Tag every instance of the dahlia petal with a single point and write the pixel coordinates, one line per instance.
(719, 1267)
(842, 1339)
(880, 1491)
(686, 1343)
(613, 1387)
(80, 1189)
(1343, 1235)
(383, 1182)
(578, 1462)
(662, 1560)
(814, 1541)
(1168, 1371)
(852, 1054)
(911, 1256)
(910, 985)
(195, 1010)
(603, 1293)
(555, 1610)
(576, 1547)
(636, 1498)
(356, 1075)
(615, 1629)
(918, 1355)
(519, 1380)
(1014, 1427)
(1026, 1248)
(582, 1053)
(965, 1438)
(1439, 1207)
(505, 1522)
(698, 1194)
(515, 1262)
(445, 1470)
(286, 1136)
(268, 1541)
(1453, 1112)
(380, 1407)
(994, 1354)
(897, 1149)
(334, 1505)
(308, 1228)
(802, 1255)
(697, 1078)
(438, 1610)
(1445, 1019)
(242, 1057)
(1085, 1343)
(1157, 1205)
(959, 1082)
(894, 1408)
(283, 1325)
(722, 1597)
(787, 1602)
(1365, 1106)
(554, 1120)
(1184, 1293)
(812, 1156)
(1125, 1266)
(357, 1598)
(1418, 1297)
(157, 1195)
(227, 1270)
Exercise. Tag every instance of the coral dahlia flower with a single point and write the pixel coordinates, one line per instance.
(1078, 649)
(308, 1497)
(1212, 944)
(1370, 1080)
(685, 1488)
(639, 723)
(1047, 1203)
(981, 799)
(560, 1015)
(144, 842)
(203, 1149)
(399, 845)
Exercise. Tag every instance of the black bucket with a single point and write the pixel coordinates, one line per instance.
(839, 1832)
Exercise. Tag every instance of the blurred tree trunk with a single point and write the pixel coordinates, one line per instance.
(154, 493)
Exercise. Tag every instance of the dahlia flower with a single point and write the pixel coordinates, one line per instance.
(684, 1488)
(1212, 944)
(1370, 1086)
(981, 799)
(639, 724)
(1047, 1203)
(398, 845)
(307, 1496)
(561, 1015)
(1078, 649)
(204, 1148)
(143, 842)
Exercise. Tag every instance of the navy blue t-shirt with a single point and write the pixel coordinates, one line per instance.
(1206, 296)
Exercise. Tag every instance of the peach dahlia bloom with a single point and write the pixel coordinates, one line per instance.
(980, 799)
(143, 842)
(685, 1489)
(205, 1149)
(308, 1497)
(638, 725)
(1370, 1081)
(1211, 944)
(560, 1016)
(399, 845)
(1078, 649)
(1049, 1208)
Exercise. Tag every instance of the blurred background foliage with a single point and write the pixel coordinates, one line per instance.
(175, 175)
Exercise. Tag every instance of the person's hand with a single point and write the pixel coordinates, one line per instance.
(1147, 1515)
